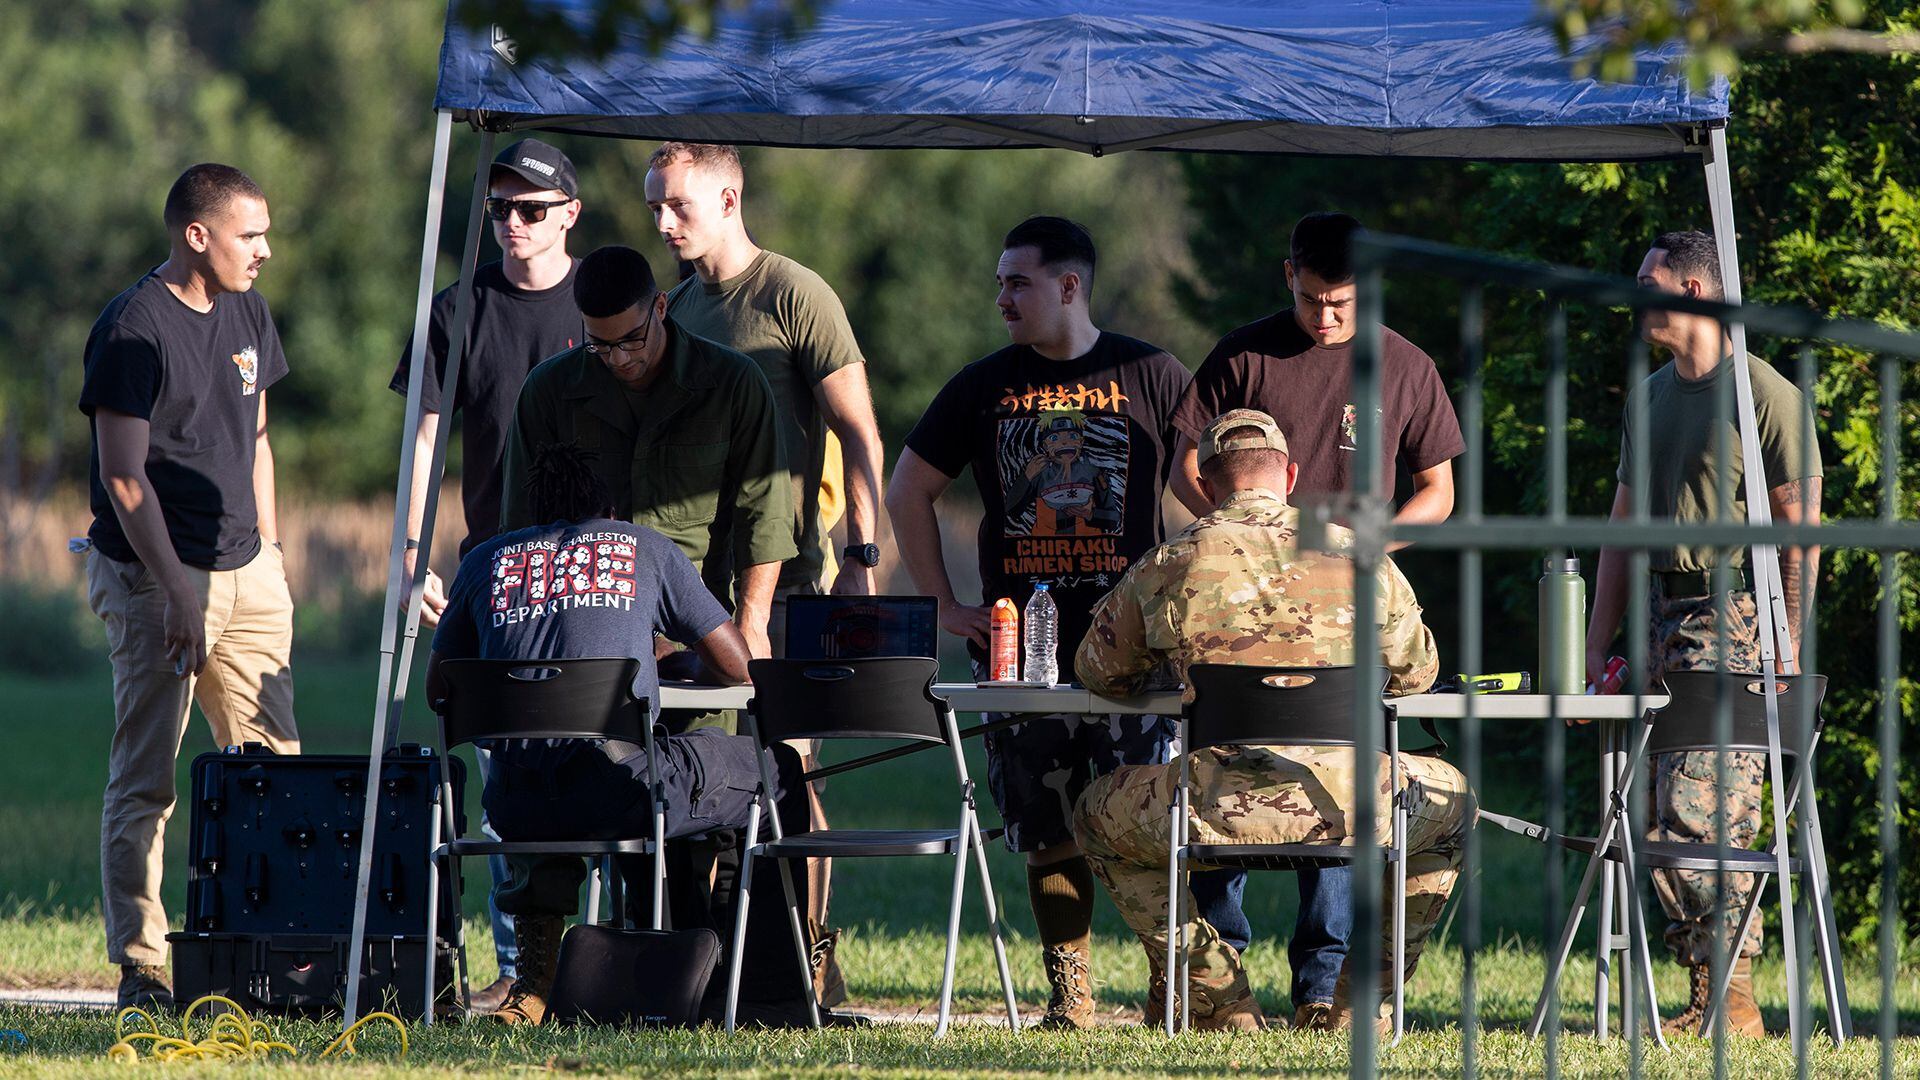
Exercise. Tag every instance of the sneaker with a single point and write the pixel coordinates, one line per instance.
(144, 986)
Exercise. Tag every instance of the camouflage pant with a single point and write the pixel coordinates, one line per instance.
(1684, 638)
(1263, 795)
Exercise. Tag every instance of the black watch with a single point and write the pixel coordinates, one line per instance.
(865, 554)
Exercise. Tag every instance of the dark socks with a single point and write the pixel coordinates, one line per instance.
(1062, 897)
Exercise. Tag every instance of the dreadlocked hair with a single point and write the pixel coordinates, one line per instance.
(562, 485)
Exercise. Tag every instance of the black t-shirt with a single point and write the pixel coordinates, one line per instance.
(1070, 457)
(1272, 365)
(510, 332)
(196, 379)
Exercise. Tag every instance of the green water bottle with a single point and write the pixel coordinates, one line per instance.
(1563, 627)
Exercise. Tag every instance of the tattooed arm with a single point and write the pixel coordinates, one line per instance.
(1797, 502)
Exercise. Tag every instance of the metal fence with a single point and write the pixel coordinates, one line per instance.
(1808, 341)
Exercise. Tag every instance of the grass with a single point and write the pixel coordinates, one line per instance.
(49, 936)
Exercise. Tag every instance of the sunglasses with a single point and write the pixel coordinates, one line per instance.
(532, 211)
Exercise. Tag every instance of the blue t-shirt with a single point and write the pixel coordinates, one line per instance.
(591, 588)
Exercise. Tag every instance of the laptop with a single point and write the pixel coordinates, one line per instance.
(851, 627)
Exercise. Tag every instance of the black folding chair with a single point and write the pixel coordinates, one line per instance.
(1235, 705)
(1687, 724)
(874, 698)
(548, 699)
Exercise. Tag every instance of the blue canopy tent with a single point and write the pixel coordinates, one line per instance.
(1464, 79)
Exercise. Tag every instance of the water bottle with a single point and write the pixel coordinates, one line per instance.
(1563, 647)
(1042, 621)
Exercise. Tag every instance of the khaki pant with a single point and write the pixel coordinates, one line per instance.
(1266, 795)
(245, 690)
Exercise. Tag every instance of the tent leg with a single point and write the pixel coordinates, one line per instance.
(389, 693)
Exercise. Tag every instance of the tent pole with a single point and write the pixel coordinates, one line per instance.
(1775, 633)
(390, 611)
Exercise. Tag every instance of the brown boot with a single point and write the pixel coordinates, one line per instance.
(144, 986)
(539, 938)
(1743, 1014)
(1314, 1016)
(488, 999)
(829, 986)
(1070, 1005)
(1340, 1017)
(1242, 1013)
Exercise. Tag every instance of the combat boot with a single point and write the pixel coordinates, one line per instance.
(539, 938)
(1241, 1012)
(1070, 1006)
(1341, 1016)
(1743, 1013)
(829, 986)
(144, 986)
(1314, 1016)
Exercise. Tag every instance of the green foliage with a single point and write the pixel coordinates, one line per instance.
(547, 30)
(47, 632)
(1826, 164)
(1716, 32)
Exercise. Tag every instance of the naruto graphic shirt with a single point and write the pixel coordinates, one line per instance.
(1070, 459)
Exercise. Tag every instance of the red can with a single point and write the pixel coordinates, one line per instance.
(1614, 679)
(1003, 642)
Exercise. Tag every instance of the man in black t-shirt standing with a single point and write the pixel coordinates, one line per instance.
(185, 567)
(522, 312)
(1296, 366)
(1068, 434)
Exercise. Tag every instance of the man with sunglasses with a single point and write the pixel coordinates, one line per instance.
(522, 312)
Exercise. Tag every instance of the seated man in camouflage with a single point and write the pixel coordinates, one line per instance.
(1234, 588)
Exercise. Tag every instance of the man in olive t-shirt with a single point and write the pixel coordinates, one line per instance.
(1684, 443)
(788, 320)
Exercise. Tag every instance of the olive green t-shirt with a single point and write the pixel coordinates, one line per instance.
(790, 322)
(1684, 442)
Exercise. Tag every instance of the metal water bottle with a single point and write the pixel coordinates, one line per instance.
(1563, 628)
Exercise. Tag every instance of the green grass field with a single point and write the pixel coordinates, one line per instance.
(50, 937)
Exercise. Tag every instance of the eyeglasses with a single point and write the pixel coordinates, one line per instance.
(532, 211)
(630, 344)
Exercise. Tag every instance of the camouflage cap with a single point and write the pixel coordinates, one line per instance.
(1271, 437)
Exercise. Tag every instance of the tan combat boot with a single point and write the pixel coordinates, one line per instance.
(1743, 1013)
(1314, 1016)
(1069, 973)
(1240, 1013)
(829, 986)
(1340, 1017)
(539, 938)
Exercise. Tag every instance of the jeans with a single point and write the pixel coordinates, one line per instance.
(1320, 932)
(506, 951)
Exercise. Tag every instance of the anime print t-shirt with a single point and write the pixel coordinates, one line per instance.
(1070, 457)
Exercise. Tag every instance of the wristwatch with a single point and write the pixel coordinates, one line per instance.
(864, 554)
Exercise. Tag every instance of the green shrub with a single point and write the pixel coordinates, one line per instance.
(47, 633)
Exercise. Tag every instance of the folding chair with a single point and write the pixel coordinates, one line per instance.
(874, 698)
(547, 699)
(1235, 705)
(1685, 724)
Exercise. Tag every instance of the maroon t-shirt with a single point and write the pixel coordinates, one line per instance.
(1272, 365)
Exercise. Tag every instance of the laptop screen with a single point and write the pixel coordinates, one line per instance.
(850, 627)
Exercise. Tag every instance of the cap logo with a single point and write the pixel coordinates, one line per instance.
(540, 167)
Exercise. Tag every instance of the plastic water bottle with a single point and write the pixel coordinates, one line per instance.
(1042, 621)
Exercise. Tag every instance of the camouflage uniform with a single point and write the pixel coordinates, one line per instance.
(1233, 588)
(1683, 637)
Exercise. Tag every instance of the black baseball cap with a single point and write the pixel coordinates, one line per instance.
(539, 163)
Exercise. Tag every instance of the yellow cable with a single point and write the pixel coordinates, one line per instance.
(231, 1035)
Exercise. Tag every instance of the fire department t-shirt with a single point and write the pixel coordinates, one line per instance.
(510, 332)
(1272, 365)
(567, 590)
(195, 378)
(1070, 457)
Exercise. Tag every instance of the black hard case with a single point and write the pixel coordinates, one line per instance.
(273, 854)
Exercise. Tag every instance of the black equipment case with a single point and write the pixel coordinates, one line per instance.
(274, 852)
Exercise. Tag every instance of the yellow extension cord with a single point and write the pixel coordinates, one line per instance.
(233, 1036)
